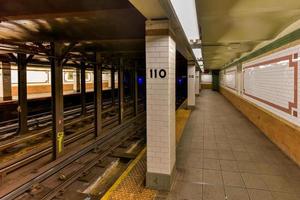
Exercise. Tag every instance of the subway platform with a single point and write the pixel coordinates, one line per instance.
(222, 155)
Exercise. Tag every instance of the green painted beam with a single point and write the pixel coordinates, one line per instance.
(291, 37)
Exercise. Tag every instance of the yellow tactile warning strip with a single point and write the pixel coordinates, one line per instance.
(131, 184)
(182, 115)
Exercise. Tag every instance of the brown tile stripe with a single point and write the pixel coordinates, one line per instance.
(293, 104)
(161, 32)
(157, 32)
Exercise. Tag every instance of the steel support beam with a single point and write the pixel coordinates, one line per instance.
(83, 88)
(136, 89)
(77, 82)
(22, 93)
(113, 86)
(57, 100)
(98, 95)
(121, 91)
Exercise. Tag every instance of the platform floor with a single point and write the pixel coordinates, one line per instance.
(222, 155)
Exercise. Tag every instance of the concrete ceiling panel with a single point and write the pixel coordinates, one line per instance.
(243, 23)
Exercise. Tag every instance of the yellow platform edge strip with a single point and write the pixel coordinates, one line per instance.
(182, 117)
(124, 175)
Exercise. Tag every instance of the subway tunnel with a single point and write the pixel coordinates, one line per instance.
(156, 99)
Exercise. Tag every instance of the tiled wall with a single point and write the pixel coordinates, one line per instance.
(228, 78)
(271, 82)
(268, 94)
(206, 78)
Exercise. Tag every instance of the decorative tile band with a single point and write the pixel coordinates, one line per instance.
(291, 105)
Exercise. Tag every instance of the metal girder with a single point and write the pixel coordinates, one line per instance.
(83, 88)
(135, 83)
(113, 85)
(12, 57)
(22, 93)
(121, 90)
(18, 47)
(98, 95)
(22, 60)
(57, 100)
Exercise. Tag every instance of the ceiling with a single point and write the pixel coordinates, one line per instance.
(161, 10)
(113, 25)
(94, 25)
(231, 28)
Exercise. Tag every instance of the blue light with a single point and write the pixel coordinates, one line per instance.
(180, 81)
(140, 81)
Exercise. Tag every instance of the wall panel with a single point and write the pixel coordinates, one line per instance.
(272, 82)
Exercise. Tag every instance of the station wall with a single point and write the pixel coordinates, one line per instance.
(206, 81)
(266, 90)
(228, 79)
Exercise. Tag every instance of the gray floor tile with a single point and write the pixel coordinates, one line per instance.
(211, 192)
(222, 153)
(232, 179)
(284, 196)
(229, 165)
(254, 181)
(211, 154)
(260, 194)
(241, 156)
(211, 164)
(236, 193)
(212, 177)
(193, 175)
(226, 155)
(185, 190)
(246, 166)
(277, 183)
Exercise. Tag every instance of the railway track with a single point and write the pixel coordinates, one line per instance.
(9, 128)
(99, 148)
(109, 119)
(30, 156)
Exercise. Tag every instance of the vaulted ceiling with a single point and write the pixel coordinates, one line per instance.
(231, 28)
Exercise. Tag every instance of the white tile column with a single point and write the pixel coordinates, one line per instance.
(197, 83)
(200, 88)
(191, 83)
(5, 81)
(160, 67)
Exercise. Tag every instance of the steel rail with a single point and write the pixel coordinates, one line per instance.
(43, 151)
(67, 159)
(15, 141)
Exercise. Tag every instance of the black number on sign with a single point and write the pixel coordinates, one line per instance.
(161, 73)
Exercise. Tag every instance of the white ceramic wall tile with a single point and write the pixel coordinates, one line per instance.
(197, 82)
(160, 54)
(191, 70)
(228, 78)
(272, 82)
(206, 78)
